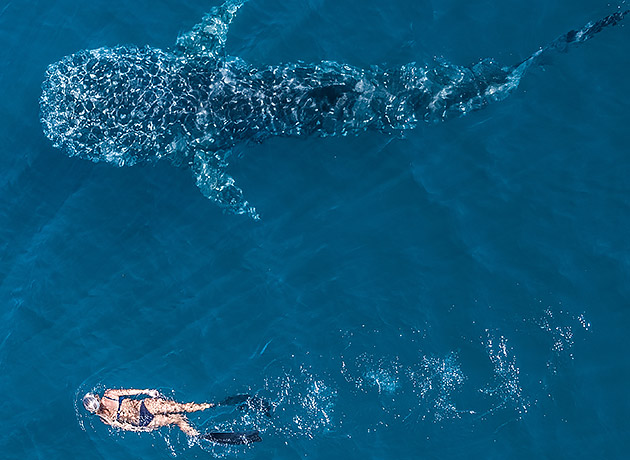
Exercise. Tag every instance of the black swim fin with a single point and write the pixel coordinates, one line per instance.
(235, 439)
(234, 400)
(248, 402)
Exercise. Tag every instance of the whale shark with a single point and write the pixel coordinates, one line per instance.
(193, 103)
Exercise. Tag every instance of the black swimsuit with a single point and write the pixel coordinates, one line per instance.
(145, 417)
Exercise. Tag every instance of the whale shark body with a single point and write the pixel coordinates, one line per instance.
(191, 104)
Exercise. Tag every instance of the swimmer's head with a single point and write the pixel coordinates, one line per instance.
(91, 402)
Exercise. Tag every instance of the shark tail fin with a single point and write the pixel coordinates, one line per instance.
(573, 37)
(487, 82)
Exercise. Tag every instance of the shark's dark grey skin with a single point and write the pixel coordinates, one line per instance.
(192, 104)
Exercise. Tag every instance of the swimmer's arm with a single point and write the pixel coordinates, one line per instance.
(131, 392)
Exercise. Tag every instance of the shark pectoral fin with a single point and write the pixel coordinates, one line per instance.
(215, 184)
(207, 39)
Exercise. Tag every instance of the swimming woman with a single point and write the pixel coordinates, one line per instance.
(153, 412)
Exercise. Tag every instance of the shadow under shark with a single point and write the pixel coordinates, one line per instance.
(192, 104)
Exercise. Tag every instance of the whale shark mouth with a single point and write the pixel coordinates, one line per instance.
(115, 105)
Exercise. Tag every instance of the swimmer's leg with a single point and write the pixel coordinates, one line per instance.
(194, 407)
(179, 420)
(183, 424)
(236, 438)
(159, 406)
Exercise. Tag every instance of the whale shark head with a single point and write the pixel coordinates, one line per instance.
(115, 105)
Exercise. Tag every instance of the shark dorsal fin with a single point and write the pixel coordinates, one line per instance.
(207, 39)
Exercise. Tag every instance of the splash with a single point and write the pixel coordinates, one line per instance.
(563, 328)
(420, 389)
(506, 386)
(304, 404)
(436, 380)
(369, 373)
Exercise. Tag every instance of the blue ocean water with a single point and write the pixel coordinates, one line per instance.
(459, 292)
